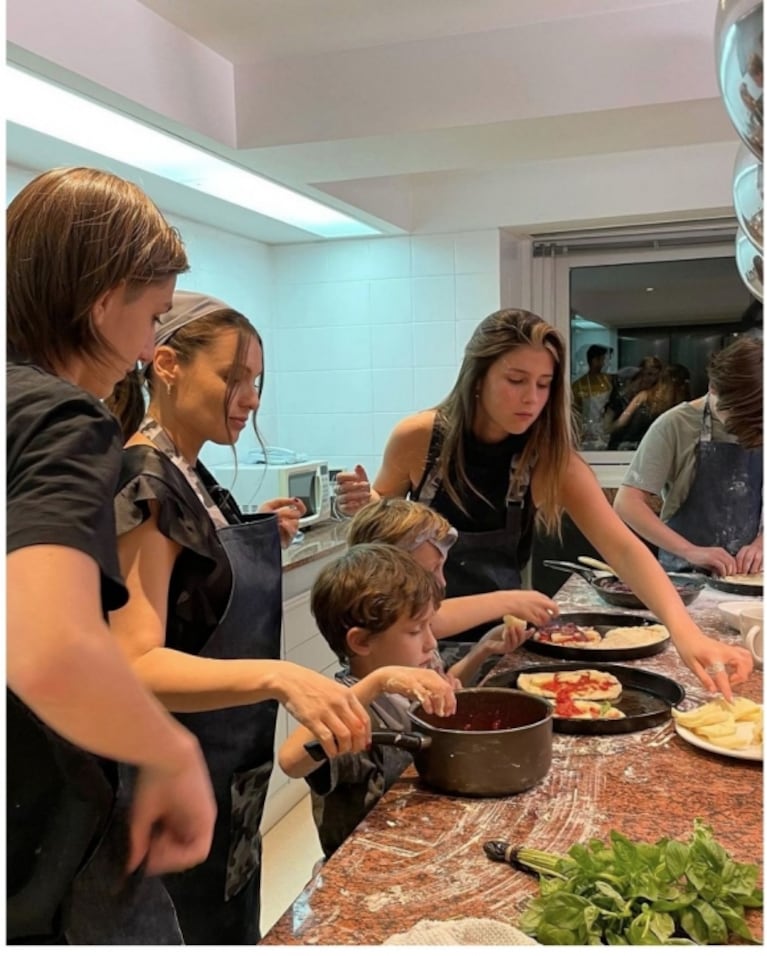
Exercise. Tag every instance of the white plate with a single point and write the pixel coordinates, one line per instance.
(730, 611)
(745, 753)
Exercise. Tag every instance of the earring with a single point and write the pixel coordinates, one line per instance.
(168, 387)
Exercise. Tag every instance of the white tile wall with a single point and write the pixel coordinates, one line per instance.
(368, 331)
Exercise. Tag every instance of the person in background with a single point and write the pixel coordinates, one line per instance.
(202, 625)
(704, 459)
(374, 606)
(90, 264)
(428, 536)
(591, 394)
(496, 457)
(672, 388)
(629, 380)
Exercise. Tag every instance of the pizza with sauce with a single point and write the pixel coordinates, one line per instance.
(584, 684)
(567, 633)
(574, 709)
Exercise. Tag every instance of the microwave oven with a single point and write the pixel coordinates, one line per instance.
(251, 485)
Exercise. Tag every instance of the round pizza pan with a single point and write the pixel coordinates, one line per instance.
(646, 700)
(601, 622)
(747, 590)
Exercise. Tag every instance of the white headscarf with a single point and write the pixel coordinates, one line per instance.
(187, 306)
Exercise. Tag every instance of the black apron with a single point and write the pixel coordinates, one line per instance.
(724, 505)
(218, 902)
(482, 561)
(68, 842)
(59, 800)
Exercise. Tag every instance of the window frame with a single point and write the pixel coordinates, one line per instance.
(551, 296)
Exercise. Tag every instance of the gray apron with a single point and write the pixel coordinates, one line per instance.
(481, 561)
(724, 505)
(218, 902)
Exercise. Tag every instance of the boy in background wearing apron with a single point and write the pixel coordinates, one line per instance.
(704, 459)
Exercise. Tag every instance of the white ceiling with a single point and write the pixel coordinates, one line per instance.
(417, 115)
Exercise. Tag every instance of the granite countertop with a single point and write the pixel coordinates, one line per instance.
(418, 854)
(319, 541)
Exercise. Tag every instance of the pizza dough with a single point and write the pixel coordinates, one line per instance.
(571, 708)
(511, 621)
(584, 684)
(756, 579)
(617, 638)
(640, 636)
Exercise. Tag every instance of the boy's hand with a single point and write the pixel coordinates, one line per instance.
(432, 691)
(504, 638)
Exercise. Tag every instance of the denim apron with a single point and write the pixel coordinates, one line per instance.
(724, 505)
(481, 561)
(218, 902)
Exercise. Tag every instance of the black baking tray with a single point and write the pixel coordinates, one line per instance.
(646, 700)
(746, 590)
(601, 622)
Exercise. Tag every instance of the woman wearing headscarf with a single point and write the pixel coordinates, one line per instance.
(202, 626)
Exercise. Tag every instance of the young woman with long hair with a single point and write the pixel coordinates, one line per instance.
(496, 458)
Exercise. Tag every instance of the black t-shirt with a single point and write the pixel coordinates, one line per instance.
(63, 458)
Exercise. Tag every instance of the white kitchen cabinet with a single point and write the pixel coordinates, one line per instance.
(303, 644)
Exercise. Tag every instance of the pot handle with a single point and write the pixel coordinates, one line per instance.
(412, 742)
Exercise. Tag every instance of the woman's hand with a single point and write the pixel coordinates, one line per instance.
(172, 815)
(352, 491)
(530, 606)
(288, 511)
(432, 691)
(716, 665)
(329, 710)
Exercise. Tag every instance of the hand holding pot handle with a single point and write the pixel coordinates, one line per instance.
(411, 742)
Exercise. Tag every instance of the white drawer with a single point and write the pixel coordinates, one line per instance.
(315, 654)
(299, 625)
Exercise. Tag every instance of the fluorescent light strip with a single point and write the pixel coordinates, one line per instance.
(41, 106)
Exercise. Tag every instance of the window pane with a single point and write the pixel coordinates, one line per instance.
(645, 331)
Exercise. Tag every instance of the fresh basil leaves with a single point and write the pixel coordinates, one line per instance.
(640, 893)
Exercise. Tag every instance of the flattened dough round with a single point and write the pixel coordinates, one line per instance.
(756, 579)
(586, 684)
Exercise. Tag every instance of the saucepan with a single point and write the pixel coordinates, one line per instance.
(497, 742)
(611, 589)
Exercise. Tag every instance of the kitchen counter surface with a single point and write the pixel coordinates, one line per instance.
(318, 542)
(418, 854)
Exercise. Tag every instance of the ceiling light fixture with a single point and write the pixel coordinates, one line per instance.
(42, 106)
(650, 288)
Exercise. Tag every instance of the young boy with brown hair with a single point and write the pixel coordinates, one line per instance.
(428, 536)
(374, 606)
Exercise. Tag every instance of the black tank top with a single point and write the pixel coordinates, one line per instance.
(487, 466)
